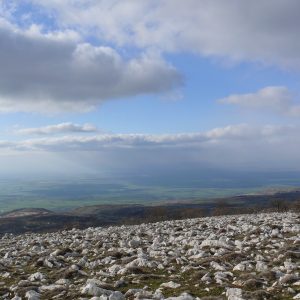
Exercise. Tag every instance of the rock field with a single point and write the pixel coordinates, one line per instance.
(227, 257)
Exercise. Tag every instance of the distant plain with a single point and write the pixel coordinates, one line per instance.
(67, 193)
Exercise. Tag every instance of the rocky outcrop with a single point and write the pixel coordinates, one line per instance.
(228, 257)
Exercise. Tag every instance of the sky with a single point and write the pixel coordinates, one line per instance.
(114, 86)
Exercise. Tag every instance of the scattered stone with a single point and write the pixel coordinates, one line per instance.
(237, 257)
(32, 295)
(38, 276)
(288, 278)
(234, 294)
(171, 285)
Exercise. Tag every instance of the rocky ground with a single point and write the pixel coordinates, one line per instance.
(228, 257)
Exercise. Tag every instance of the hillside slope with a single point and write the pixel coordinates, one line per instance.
(227, 257)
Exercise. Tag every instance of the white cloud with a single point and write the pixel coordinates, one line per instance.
(235, 147)
(232, 133)
(96, 142)
(276, 99)
(62, 128)
(55, 71)
(260, 30)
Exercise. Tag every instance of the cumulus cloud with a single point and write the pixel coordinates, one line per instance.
(56, 71)
(260, 30)
(62, 128)
(278, 99)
